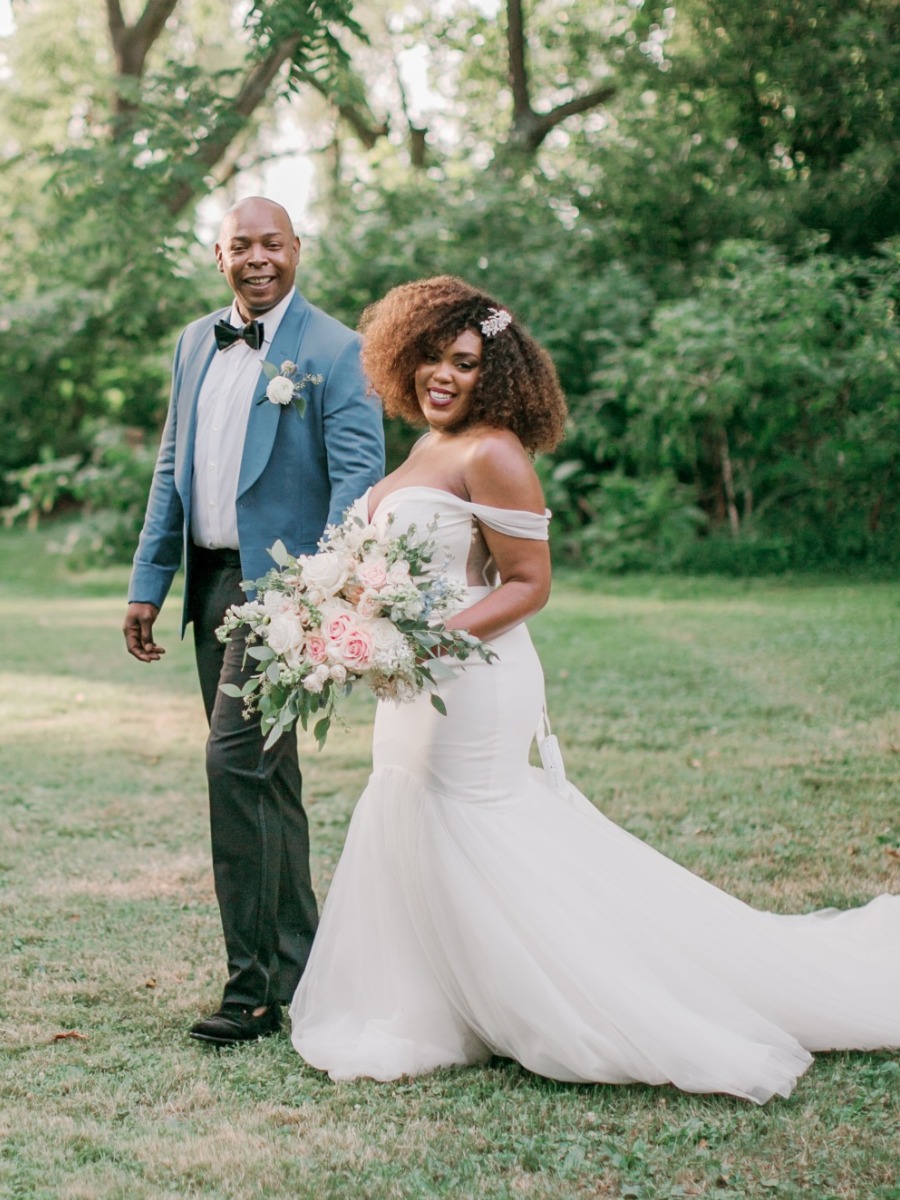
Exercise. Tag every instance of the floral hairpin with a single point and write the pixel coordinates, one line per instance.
(497, 320)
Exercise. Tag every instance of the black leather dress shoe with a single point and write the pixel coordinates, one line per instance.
(235, 1023)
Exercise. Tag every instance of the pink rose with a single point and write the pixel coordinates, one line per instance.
(357, 650)
(336, 626)
(316, 649)
(372, 574)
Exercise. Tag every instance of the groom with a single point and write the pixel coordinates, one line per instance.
(235, 473)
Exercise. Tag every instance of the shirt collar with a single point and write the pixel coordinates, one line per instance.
(269, 320)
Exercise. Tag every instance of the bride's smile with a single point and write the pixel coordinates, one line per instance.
(446, 379)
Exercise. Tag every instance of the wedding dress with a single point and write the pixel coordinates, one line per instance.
(477, 911)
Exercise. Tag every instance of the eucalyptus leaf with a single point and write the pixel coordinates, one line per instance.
(441, 670)
(277, 731)
(438, 703)
(231, 689)
(279, 553)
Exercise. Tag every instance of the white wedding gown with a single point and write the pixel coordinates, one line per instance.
(477, 911)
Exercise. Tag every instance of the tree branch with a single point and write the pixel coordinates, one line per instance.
(367, 132)
(213, 150)
(132, 43)
(544, 122)
(115, 22)
(151, 23)
(518, 69)
(418, 149)
(529, 128)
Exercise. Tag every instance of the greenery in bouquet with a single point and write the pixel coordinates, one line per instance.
(367, 606)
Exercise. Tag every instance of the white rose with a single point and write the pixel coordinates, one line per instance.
(390, 650)
(316, 680)
(325, 574)
(285, 633)
(399, 571)
(280, 390)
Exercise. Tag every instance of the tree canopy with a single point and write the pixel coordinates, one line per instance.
(692, 205)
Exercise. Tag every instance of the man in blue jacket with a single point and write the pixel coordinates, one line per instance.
(237, 471)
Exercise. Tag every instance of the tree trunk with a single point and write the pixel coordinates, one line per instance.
(728, 485)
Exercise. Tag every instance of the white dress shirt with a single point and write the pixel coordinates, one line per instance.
(223, 409)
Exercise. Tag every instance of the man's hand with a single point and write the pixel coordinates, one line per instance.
(138, 630)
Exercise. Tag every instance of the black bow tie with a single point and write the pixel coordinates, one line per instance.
(227, 335)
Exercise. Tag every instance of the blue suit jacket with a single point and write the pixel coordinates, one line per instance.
(297, 474)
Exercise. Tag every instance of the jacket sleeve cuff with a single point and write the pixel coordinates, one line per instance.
(150, 584)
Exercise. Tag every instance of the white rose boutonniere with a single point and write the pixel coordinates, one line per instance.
(285, 387)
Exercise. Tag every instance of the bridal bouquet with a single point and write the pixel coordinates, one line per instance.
(368, 606)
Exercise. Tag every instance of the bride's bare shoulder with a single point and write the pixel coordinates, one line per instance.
(499, 472)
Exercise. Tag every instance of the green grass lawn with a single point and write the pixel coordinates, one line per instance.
(748, 729)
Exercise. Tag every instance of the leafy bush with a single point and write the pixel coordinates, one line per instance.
(771, 393)
(620, 523)
(110, 485)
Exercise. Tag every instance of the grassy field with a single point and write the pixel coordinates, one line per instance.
(749, 729)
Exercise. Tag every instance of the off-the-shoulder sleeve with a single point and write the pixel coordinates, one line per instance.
(514, 522)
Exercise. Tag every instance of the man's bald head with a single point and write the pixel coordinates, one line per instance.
(258, 252)
(256, 206)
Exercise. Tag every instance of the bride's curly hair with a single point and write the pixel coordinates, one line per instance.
(517, 387)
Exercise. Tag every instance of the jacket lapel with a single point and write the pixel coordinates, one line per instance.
(196, 363)
(262, 424)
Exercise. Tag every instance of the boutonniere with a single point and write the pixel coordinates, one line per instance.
(284, 386)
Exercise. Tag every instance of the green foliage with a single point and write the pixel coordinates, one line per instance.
(618, 522)
(810, 89)
(773, 392)
(110, 485)
(40, 488)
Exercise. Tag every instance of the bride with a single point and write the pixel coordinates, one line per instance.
(478, 910)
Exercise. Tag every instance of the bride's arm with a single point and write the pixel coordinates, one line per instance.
(499, 474)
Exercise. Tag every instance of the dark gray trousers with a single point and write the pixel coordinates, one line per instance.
(260, 839)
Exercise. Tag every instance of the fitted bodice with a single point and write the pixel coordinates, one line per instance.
(455, 524)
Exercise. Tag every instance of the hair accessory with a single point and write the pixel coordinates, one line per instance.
(497, 320)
